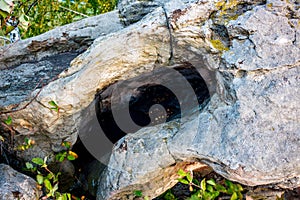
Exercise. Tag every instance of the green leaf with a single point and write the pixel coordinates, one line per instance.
(71, 157)
(50, 176)
(40, 179)
(230, 186)
(215, 194)
(62, 158)
(234, 196)
(211, 182)
(138, 193)
(210, 188)
(55, 106)
(66, 144)
(239, 188)
(52, 103)
(60, 197)
(194, 197)
(181, 173)
(28, 165)
(203, 185)
(195, 181)
(55, 177)
(55, 109)
(37, 161)
(47, 184)
(68, 196)
(184, 181)
(55, 188)
(189, 177)
(169, 195)
(8, 121)
(220, 188)
(3, 13)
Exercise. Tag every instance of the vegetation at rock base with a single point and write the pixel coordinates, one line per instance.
(35, 17)
(47, 179)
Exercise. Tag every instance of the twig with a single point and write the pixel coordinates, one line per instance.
(12, 132)
(31, 6)
(27, 104)
(74, 11)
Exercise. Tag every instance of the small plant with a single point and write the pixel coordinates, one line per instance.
(28, 143)
(8, 120)
(54, 106)
(209, 189)
(169, 195)
(139, 193)
(47, 179)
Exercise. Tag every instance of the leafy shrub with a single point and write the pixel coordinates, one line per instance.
(36, 17)
(205, 189)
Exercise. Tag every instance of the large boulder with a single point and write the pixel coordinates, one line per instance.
(247, 52)
(14, 185)
(249, 131)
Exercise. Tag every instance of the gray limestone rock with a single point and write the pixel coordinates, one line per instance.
(14, 185)
(249, 132)
(77, 37)
(247, 53)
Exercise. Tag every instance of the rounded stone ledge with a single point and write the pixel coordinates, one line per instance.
(14, 185)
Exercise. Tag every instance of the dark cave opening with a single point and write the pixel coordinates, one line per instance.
(148, 102)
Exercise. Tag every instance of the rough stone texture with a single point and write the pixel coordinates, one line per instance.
(14, 185)
(17, 84)
(249, 132)
(77, 37)
(249, 55)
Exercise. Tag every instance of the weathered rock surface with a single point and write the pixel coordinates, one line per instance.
(248, 53)
(17, 84)
(249, 132)
(14, 185)
(77, 37)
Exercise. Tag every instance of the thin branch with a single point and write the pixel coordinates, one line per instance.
(12, 132)
(78, 13)
(27, 104)
(31, 6)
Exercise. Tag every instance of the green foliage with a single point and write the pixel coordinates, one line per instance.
(206, 189)
(139, 194)
(54, 107)
(68, 154)
(8, 121)
(169, 195)
(48, 179)
(37, 17)
(28, 143)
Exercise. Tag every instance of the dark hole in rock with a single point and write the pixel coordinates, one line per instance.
(145, 102)
(87, 172)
